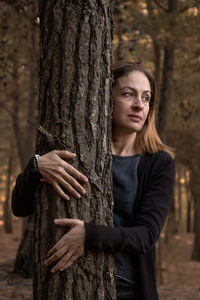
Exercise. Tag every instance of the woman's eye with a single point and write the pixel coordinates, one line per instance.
(127, 94)
(146, 98)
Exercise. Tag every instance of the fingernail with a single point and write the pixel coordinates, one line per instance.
(83, 191)
(56, 221)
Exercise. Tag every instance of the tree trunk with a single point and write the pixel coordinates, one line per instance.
(15, 112)
(119, 27)
(32, 58)
(179, 198)
(156, 45)
(157, 74)
(188, 225)
(25, 145)
(24, 259)
(189, 204)
(171, 227)
(195, 171)
(168, 69)
(75, 108)
(7, 208)
(23, 265)
(157, 63)
(165, 92)
(158, 262)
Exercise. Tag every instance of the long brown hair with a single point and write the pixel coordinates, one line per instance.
(147, 139)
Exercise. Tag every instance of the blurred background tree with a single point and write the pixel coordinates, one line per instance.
(19, 89)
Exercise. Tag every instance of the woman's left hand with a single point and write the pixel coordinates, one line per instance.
(69, 247)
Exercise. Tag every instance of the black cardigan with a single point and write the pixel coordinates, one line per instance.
(156, 174)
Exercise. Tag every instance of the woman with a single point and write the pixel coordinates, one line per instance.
(143, 180)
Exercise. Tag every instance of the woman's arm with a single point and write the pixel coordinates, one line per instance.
(149, 219)
(150, 216)
(23, 193)
(54, 170)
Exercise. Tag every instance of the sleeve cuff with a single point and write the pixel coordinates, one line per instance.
(32, 174)
(103, 238)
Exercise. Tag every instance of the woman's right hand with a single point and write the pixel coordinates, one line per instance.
(58, 172)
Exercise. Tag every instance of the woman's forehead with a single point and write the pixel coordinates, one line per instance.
(135, 79)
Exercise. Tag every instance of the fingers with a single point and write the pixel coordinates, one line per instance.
(65, 262)
(69, 262)
(65, 153)
(59, 191)
(56, 248)
(67, 186)
(54, 256)
(75, 173)
(68, 167)
(74, 183)
(67, 222)
(62, 262)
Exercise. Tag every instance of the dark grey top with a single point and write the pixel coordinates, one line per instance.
(125, 184)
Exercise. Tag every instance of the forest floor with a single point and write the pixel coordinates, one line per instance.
(181, 275)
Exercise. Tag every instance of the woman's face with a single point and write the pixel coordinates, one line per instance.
(131, 98)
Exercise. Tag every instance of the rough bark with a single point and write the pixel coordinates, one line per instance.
(75, 108)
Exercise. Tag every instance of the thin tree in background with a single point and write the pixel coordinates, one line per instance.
(7, 207)
(168, 70)
(25, 134)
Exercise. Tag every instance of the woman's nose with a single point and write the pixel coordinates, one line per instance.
(137, 102)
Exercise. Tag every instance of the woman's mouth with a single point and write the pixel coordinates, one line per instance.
(134, 118)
